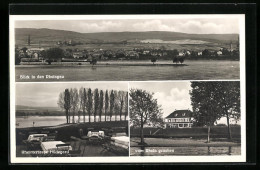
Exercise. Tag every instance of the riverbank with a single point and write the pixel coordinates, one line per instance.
(103, 63)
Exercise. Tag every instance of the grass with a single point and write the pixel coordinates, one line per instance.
(195, 132)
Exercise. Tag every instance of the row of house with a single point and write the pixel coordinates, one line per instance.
(122, 53)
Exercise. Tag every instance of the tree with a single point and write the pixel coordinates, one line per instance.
(17, 57)
(194, 54)
(228, 97)
(61, 101)
(74, 100)
(121, 102)
(89, 103)
(225, 52)
(53, 54)
(175, 59)
(96, 103)
(84, 103)
(144, 110)
(116, 104)
(94, 61)
(112, 103)
(181, 59)
(175, 53)
(65, 104)
(153, 60)
(106, 104)
(81, 104)
(205, 53)
(24, 49)
(43, 54)
(126, 105)
(101, 100)
(203, 104)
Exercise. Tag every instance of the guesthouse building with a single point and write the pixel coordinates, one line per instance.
(179, 119)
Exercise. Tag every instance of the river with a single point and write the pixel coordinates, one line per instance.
(128, 71)
(27, 121)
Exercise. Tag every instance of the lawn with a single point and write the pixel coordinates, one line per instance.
(195, 132)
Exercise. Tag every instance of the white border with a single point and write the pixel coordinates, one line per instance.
(133, 159)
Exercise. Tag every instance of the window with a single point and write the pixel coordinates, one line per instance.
(176, 114)
(169, 120)
(183, 114)
(180, 125)
(185, 125)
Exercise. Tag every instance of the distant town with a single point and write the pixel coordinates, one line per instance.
(67, 51)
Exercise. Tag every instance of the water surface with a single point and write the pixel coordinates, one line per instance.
(194, 70)
(27, 121)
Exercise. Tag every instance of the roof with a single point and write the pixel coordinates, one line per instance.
(180, 114)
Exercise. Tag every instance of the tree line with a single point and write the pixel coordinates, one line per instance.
(87, 102)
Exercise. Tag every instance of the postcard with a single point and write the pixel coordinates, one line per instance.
(127, 88)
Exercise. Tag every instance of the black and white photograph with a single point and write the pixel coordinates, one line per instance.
(126, 48)
(127, 88)
(71, 120)
(185, 118)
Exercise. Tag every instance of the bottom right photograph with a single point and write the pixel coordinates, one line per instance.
(185, 118)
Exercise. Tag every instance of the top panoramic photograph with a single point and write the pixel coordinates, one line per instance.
(126, 47)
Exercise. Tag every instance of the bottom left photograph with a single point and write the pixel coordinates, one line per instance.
(71, 119)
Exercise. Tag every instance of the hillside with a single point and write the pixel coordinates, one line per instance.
(39, 111)
(31, 108)
(50, 36)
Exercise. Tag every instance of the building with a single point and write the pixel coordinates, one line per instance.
(219, 53)
(232, 121)
(181, 54)
(132, 54)
(179, 119)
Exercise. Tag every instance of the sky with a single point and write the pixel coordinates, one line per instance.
(47, 94)
(170, 95)
(205, 25)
